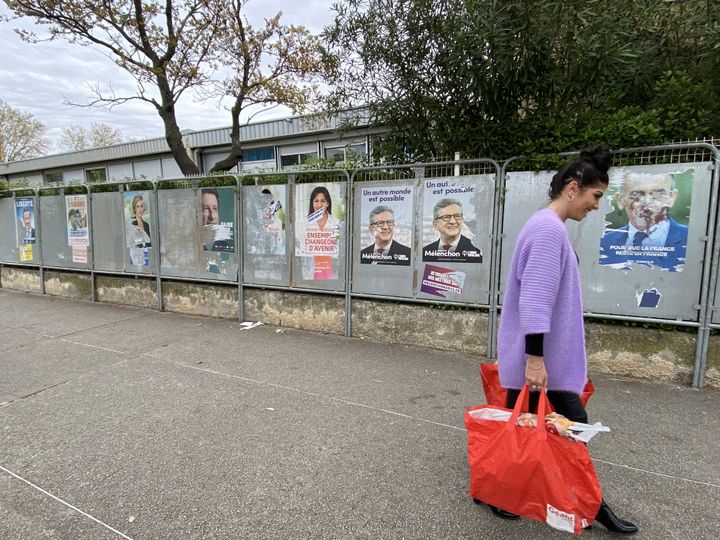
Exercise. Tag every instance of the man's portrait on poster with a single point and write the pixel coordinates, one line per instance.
(385, 249)
(452, 245)
(650, 235)
(217, 235)
(27, 227)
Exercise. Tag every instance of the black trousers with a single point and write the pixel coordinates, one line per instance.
(566, 403)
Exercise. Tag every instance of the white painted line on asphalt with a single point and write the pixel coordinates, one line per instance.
(314, 394)
(347, 402)
(94, 346)
(663, 475)
(65, 503)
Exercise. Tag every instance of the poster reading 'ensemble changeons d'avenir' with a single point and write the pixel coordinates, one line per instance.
(319, 211)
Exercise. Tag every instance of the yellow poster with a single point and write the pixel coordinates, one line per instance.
(26, 252)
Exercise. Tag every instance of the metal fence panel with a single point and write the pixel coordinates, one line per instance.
(456, 224)
(186, 249)
(320, 235)
(390, 272)
(660, 281)
(107, 237)
(64, 234)
(8, 223)
(265, 215)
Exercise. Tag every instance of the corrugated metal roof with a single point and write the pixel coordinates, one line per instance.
(272, 129)
(106, 153)
(267, 130)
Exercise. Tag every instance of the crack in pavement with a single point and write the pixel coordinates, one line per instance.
(32, 394)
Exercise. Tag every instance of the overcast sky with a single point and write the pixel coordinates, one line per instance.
(38, 78)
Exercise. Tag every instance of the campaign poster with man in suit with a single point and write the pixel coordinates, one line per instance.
(449, 222)
(648, 223)
(386, 225)
(217, 210)
(25, 223)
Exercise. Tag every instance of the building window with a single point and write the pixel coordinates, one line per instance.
(293, 160)
(335, 154)
(53, 178)
(259, 154)
(348, 152)
(95, 175)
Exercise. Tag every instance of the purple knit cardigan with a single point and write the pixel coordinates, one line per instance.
(543, 296)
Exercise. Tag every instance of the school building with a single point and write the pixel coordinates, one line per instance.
(273, 144)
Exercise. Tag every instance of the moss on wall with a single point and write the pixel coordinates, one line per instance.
(416, 324)
(646, 353)
(68, 285)
(128, 291)
(319, 312)
(201, 299)
(20, 279)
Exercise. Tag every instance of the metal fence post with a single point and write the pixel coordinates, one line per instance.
(38, 236)
(349, 230)
(498, 214)
(240, 244)
(93, 294)
(157, 242)
(710, 271)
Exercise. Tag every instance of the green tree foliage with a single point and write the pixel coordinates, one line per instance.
(276, 64)
(499, 78)
(160, 44)
(172, 46)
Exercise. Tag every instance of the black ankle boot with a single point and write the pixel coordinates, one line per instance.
(499, 512)
(612, 523)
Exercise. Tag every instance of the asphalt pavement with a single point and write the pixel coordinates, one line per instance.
(120, 422)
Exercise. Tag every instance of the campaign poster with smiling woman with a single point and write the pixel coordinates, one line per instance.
(319, 211)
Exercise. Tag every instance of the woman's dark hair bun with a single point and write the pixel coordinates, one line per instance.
(599, 156)
(590, 169)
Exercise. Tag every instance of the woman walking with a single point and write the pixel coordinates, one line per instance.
(542, 335)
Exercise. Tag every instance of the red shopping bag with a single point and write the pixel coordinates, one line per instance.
(531, 472)
(497, 395)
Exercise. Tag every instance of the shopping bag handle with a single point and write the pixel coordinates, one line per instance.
(523, 403)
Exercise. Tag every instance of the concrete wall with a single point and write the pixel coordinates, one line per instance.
(127, 291)
(712, 369)
(618, 349)
(417, 324)
(319, 312)
(645, 353)
(68, 285)
(20, 279)
(199, 299)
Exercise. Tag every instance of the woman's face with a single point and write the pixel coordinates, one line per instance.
(319, 202)
(139, 208)
(586, 201)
